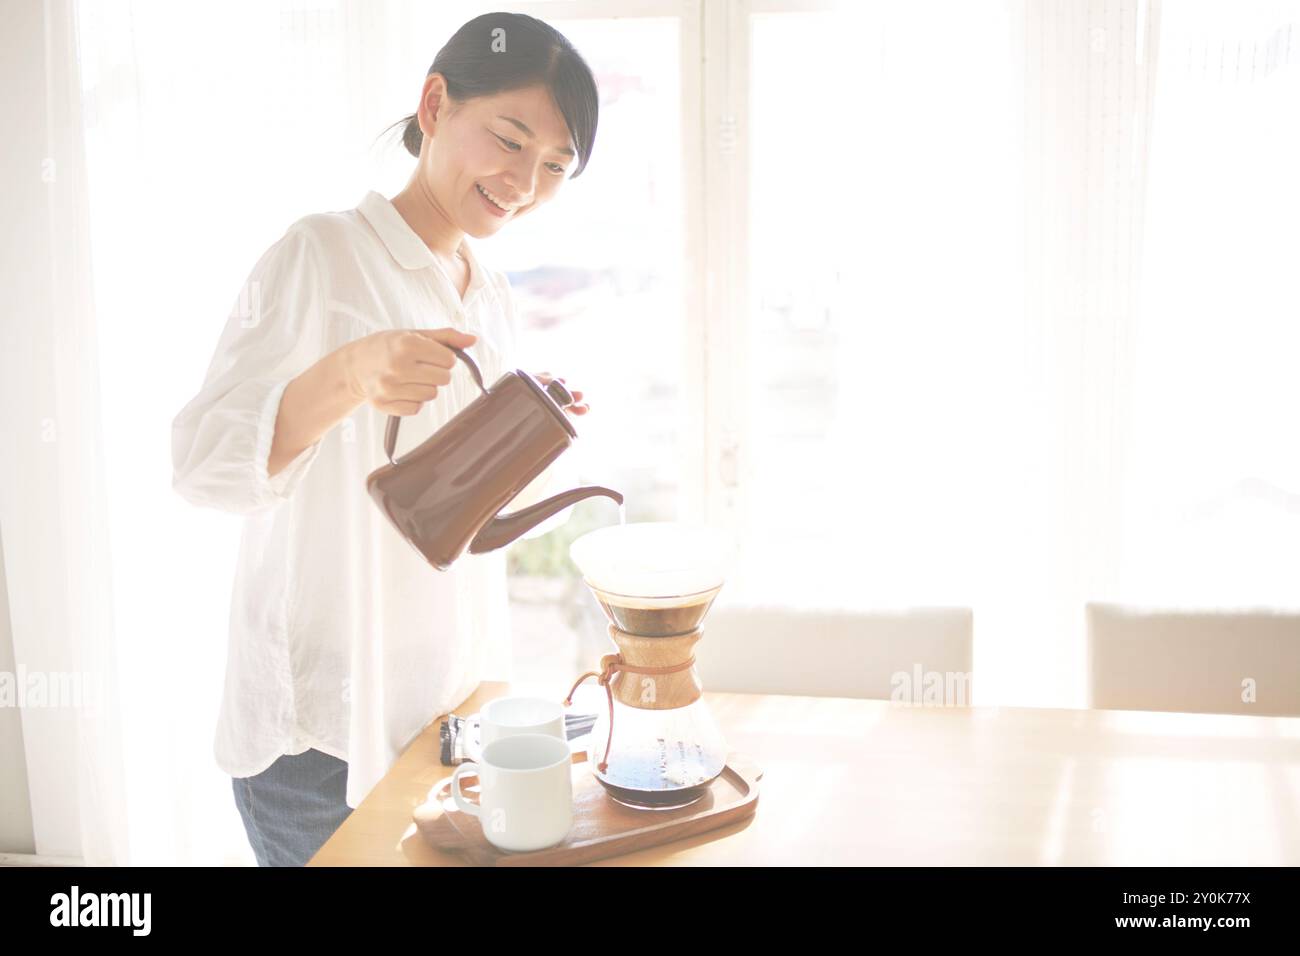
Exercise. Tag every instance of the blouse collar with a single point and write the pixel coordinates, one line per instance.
(405, 244)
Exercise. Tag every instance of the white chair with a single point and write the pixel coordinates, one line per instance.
(1210, 662)
(884, 655)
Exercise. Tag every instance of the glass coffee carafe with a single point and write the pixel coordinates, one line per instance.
(656, 745)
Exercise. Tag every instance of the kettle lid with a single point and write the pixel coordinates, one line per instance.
(554, 396)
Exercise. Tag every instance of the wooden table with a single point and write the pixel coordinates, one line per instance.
(868, 782)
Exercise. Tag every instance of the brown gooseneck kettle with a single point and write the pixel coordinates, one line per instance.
(446, 494)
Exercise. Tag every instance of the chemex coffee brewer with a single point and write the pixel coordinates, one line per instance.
(657, 746)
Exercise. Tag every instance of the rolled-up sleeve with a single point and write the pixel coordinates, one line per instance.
(221, 439)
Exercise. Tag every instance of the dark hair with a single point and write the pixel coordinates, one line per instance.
(535, 53)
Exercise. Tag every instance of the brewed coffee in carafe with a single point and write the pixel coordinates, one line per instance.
(656, 745)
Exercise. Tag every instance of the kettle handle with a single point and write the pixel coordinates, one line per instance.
(394, 421)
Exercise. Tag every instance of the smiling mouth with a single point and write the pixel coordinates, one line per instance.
(489, 197)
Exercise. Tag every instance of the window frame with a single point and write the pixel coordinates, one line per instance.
(715, 63)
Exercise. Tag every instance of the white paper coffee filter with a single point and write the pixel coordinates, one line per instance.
(653, 558)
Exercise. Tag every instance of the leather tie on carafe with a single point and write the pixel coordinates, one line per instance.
(610, 665)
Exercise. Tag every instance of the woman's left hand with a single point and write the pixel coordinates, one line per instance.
(579, 407)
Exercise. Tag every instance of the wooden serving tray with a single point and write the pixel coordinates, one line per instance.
(602, 827)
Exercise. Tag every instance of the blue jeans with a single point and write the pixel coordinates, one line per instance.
(293, 806)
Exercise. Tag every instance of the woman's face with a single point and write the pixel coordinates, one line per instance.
(511, 150)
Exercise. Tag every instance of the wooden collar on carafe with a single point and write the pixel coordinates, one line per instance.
(611, 664)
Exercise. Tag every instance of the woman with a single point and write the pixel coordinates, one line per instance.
(344, 643)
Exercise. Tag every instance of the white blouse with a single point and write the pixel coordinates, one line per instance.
(342, 637)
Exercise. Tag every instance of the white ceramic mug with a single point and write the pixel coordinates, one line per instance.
(507, 716)
(525, 791)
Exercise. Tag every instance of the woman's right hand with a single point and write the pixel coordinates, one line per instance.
(398, 371)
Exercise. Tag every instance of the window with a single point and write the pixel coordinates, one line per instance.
(604, 308)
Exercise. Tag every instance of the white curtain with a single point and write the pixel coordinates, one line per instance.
(1213, 505)
(52, 504)
(1161, 322)
(970, 281)
(1031, 347)
(1159, 396)
(1088, 71)
(206, 131)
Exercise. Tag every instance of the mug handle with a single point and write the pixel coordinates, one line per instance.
(472, 809)
(395, 421)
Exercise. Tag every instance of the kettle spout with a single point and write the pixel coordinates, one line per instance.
(503, 529)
